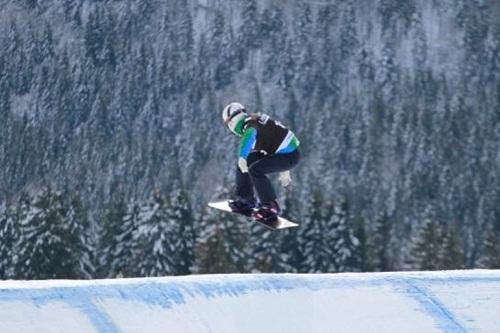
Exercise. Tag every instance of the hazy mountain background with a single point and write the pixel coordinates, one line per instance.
(111, 132)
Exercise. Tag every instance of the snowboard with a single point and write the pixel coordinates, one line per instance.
(280, 223)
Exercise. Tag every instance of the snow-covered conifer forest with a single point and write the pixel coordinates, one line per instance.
(111, 139)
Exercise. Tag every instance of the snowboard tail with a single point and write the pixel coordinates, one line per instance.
(279, 223)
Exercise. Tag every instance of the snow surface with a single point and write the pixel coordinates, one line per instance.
(453, 301)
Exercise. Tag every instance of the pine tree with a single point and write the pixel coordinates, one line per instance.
(155, 240)
(426, 246)
(70, 8)
(315, 236)
(380, 243)
(49, 246)
(248, 31)
(9, 234)
(221, 247)
(108, 243)
(226, 63)
(249, 25)
(122, 257)
(364, 263)
(348, 35)
(291, 254)
(47, 47)
(453, 255)
(5, 100)
(309, 235)
(489, 257)
(265, 250)
(181, 40)
(274, 36)
(287, 70)
(94, 35)
(344, 243)
(303, 47)
(146, 9)
(80, 237)
(222, 244)
(182, 217)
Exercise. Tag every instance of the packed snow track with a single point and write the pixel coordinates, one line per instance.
(455, 301)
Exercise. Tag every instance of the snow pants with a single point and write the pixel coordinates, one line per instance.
(259, 166)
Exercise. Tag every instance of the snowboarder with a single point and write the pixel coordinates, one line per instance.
(266, 147)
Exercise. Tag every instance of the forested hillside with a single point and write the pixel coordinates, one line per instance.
(111, 139)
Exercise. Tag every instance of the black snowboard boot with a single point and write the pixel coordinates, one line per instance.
(268, 212)
(242, 206)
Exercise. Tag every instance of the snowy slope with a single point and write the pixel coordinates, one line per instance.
(458, 301)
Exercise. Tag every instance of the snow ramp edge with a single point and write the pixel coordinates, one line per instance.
(447, 301)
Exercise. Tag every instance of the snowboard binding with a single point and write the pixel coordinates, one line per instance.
(267, 213)
(243, 206)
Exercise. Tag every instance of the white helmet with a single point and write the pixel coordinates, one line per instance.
(234, 116)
